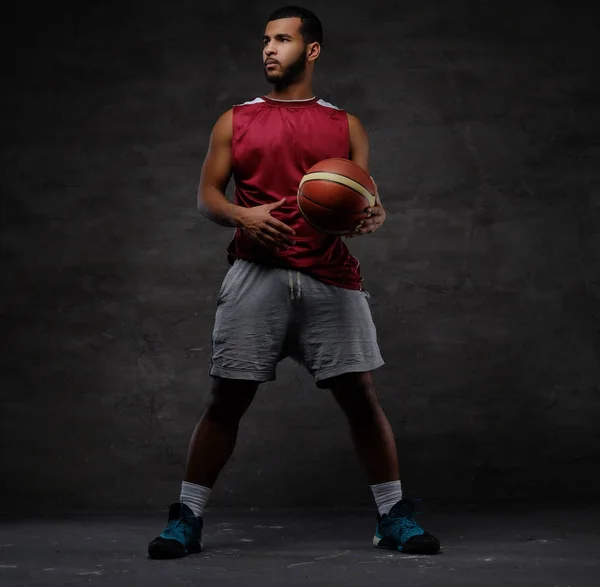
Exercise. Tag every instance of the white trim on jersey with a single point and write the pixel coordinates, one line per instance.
(255, 101)
(327, 104)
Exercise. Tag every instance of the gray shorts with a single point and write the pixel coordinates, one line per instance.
(265, 314)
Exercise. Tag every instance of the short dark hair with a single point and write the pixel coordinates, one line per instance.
(310, 28)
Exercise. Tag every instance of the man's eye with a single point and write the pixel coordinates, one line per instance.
(266, 42)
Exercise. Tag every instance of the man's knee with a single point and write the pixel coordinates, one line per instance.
(355, 394)
(229, 399)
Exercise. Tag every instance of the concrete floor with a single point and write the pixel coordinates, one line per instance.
(549, 547)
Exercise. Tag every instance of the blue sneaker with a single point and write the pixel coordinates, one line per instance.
(398, 531)
(183, 534)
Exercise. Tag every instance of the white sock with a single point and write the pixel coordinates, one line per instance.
(194, 496)
(387, 495)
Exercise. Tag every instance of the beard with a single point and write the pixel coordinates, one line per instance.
(288, 75)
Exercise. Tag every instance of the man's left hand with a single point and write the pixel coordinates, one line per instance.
(375, 217)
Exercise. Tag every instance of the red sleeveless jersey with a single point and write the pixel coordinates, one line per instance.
(275, 142)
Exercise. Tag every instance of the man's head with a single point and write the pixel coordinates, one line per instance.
(292, 39)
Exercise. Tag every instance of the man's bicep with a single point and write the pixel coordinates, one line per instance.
(217, 166)
(359, 142)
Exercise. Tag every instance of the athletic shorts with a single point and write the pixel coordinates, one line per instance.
(266, 314)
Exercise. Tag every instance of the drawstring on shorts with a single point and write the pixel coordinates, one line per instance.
(298, 285)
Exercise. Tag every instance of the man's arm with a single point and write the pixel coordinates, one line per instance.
(216, 173)
(359, 153)
(359, 142)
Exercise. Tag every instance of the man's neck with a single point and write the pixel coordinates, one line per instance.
(291, 93)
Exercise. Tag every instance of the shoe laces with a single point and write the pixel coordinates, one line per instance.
(404, 524)
(404, 527)
(175, 528)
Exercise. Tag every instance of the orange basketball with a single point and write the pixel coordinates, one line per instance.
(334, 194)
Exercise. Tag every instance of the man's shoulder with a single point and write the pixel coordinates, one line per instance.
(354, 122)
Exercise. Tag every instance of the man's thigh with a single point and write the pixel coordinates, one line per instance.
(251, 322)
(336, 334)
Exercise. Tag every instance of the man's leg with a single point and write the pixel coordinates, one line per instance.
(247, 344)
(214, 439)
(376, 447)
(370, 429)
(338, 346)
(215, 435)
(372, 436)
(211, 446)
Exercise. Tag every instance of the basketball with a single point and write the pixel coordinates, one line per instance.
(334, 194)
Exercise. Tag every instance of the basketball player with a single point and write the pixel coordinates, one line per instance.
(290, 290)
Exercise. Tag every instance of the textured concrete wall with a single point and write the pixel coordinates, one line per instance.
(485, 133)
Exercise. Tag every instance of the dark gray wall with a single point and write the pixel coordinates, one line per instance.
(485, 136)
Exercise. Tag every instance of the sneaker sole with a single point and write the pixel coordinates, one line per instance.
(387, 543)
(162, 553)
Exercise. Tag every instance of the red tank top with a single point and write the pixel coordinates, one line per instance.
(275, 142)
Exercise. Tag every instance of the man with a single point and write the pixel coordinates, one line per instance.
(290, 290)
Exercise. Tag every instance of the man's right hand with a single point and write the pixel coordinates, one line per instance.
(265, 229)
